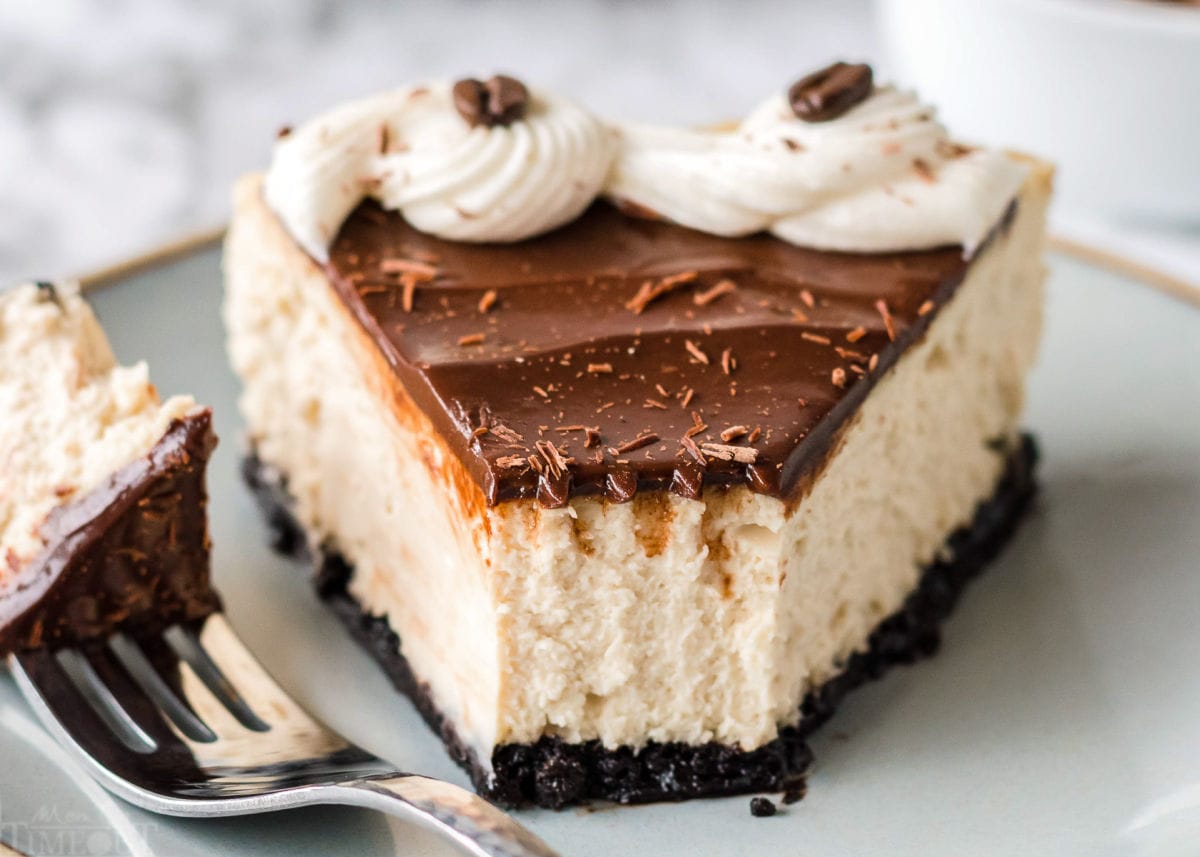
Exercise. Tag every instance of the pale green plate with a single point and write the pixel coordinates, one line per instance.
(1061, 718)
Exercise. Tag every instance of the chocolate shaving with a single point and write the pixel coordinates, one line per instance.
(926, 308)
(692, 449)
(725, 452)
(888, 323)
(509, 436)
(815, 337)
(838, 376)
(734, 432)
(924, 171)
(592, 438)
(652, 290)
(487, 301)
(856, 334)
(807, 297)
(508, 462)
(600, 368)
(723, 287)
(728, 363)
(637, 443)
(554, 459)
(694, 350)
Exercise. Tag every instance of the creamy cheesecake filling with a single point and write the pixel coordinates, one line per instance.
(72, 416)
(667, 618)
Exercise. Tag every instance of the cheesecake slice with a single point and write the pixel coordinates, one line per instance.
(626, 488)
(103, 525)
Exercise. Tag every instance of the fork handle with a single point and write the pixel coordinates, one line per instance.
(477, 826)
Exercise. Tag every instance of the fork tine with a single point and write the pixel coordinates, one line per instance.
(241, 670)
(155, 667)
(128, 694)
(57, 694)
(107, 705)
(187, 645)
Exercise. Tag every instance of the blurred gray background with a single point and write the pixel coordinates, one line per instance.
(123, 123)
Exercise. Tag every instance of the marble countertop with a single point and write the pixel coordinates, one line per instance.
(124, 123)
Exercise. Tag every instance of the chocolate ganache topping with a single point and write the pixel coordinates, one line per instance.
(133, 553)
(619, 354)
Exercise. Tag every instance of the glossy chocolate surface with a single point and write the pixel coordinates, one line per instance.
(777, 361)
(131, 554)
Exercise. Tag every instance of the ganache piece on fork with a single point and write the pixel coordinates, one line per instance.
(109, 618)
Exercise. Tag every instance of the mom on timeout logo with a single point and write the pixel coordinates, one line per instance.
(54, 831)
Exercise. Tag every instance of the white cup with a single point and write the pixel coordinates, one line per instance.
(1107, 89)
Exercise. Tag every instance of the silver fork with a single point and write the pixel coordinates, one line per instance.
(188, 723)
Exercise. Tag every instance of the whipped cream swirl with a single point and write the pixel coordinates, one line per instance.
(883, 176)
(411, 150)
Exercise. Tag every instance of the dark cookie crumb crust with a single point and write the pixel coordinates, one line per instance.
(761, 807)
(552, 773)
